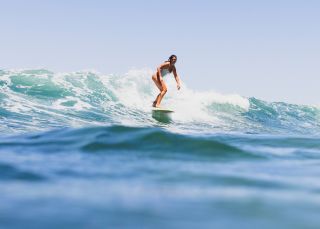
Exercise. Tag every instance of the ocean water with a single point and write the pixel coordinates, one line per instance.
(82, 150)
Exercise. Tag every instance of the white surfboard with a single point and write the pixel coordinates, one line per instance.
(162, 114)
(162, 110)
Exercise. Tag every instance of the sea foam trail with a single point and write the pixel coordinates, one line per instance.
(38, 99)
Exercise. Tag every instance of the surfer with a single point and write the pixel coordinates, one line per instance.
(162, 70)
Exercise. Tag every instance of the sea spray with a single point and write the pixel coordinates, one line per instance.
(81, 150)
(41, 99)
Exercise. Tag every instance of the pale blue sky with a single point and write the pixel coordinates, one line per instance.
(264, 49)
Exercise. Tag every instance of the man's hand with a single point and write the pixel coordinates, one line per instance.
(178, 86)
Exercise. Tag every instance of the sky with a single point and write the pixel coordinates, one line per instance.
(264, 49)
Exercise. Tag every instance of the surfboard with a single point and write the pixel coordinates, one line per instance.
(162, 114)
(162, 110)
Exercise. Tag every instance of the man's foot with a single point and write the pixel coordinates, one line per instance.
(154, 103)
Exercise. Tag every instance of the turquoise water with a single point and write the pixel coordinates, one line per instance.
(81, 150)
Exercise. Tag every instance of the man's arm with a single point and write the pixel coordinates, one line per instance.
(176, 78)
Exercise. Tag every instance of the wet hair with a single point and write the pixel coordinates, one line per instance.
(171, 57)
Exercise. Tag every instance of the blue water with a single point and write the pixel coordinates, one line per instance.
(82, 150)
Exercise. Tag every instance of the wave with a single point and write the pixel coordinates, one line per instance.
(157, 143)
(39, 99)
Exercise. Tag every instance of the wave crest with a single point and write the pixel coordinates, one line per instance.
(40, 99)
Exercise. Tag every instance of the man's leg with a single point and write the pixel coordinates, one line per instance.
(158, 84)
(161, 95)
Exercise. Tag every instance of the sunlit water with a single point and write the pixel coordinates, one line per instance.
(81, 150)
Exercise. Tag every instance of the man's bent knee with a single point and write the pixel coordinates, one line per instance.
(164, 91)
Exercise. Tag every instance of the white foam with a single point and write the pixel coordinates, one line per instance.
(134, 91)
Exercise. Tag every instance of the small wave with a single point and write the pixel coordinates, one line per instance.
(9, 172)
(154, 142)
(158, 143)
